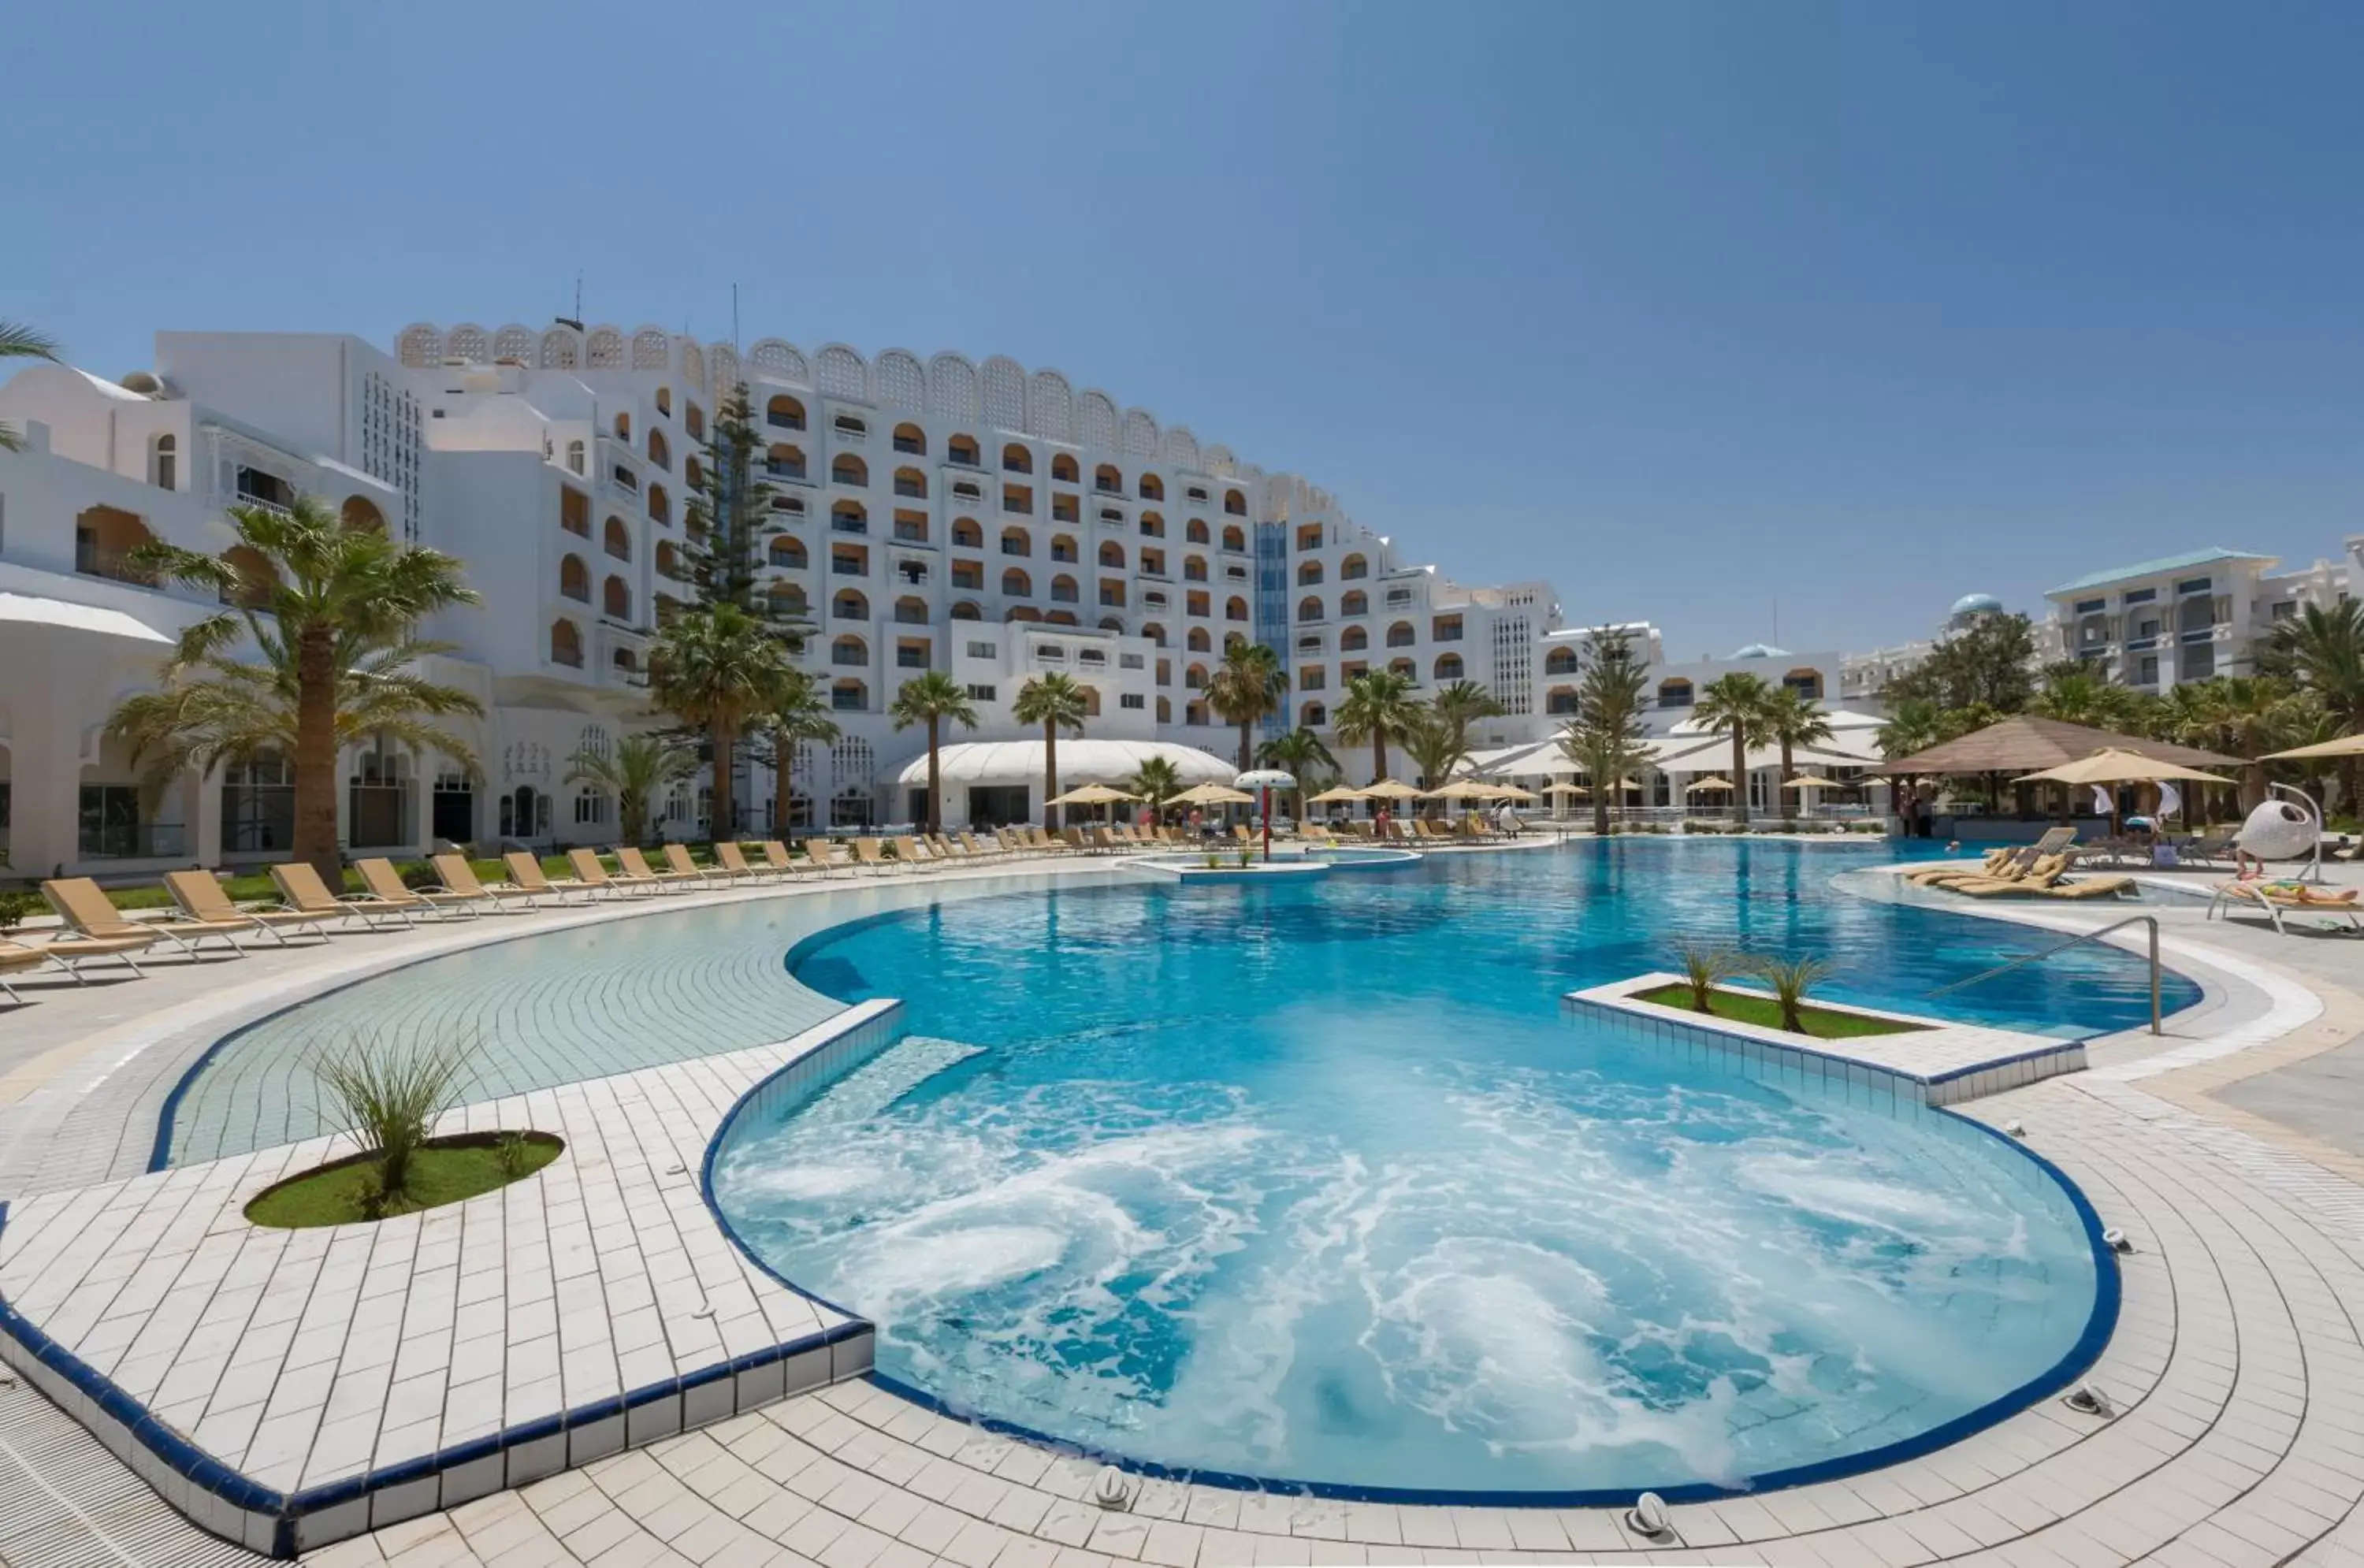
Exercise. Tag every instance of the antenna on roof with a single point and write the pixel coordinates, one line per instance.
(576, 320)
(734, 318)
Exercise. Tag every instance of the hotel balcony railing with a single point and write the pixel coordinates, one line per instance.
(848, 478)
(910, 533)
(784, 421)
(913, 488)
(248, 498)
(1011, 503)
(132, 840)
(848, 525)
(906, 444)
(570, 657)
(783, 471)
(1107, 487)
(115, 565)
(1451, 635)
(841, 568)
(964, 460)
(910, 659)
(1010, 467)
(626, 477)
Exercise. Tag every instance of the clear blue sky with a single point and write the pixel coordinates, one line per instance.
(1685, 308)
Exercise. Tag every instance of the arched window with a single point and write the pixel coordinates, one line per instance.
(1400, 635)
(624, 429)
(1017, 541)
(1064, 468)
(575, 457)
(1560, 701)
(965, 609)
(1353, 602)
(850, 650)
(692, 472)
(1091, 701)
(847, 469)
(616, 599)
(693, 419)
(1023, 612)
(165, 462)
(669, 562)
(1309, 608)
(575, 578)
(1235, 610)
(1155, 633)
(1194, 531)
(1113, 555)
(912, 483)
(1153, 525)
(1165, 710)
(911, 611)
(660, 504)
(565, 644)
(788, 551)
(1806, 680)
(1353, 566)
(1060, 617)
(784, 413)
(1560, 662)
(1313, 716)
(1194, 569)
(1197, 640)
(1063, 547)
(665, 401)
(784, 461)
(360, 514)
(660, 451)
(849, 696)
(1448, 667)
(787, 599)
(1152, 487)
(1236, 539)
(1308, 573)
(1017, 584)
(1403, 667)
(963, 450)
(617, 540)
(1064, 590)
(1016, 459)
(1195, 713)
(1675, 692)
(911, 439)
(967, 535)
(1235, 505)
(849, 605)
(1354, 639)
(849, 517)
(1195, 677)
(1107, 479)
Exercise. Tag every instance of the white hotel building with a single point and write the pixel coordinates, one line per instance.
(941, 513)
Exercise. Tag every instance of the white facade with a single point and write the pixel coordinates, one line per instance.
(977, 518)
(2158, 624)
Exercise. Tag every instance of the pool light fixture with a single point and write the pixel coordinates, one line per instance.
(2115, 1240)
(1111, 1489)
(1648, 1517)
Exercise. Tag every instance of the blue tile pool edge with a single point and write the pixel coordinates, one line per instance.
(224, 1503)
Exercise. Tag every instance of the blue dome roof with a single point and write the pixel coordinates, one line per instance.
(1761, 651)
(1977, 605)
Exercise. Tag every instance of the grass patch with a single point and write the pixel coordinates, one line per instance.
(1754, 1007)
(446, 1170)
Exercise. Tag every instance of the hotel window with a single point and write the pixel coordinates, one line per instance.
(984, 651)
(1132, 699)
(981, 693)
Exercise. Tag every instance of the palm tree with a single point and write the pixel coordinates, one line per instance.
(1792, 720)
(1604, 738)
(1461, 705)
(1056, 702)
(716, 668)
(637, 772)
(1380, 707)
(799, 712)
(1246, 687)
(2077, 694)
(1913, 726)
(2321, 648)
(1298, 752)
(1154, 780)
(21, 342)
(2254, 715)
(1433, 747)
(334, 614)
(1736, 704)
(931, 699)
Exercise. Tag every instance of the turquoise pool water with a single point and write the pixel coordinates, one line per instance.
(1309, 1178)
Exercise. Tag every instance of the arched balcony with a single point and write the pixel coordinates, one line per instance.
(1235, 504)
(1309, 608)
(1107, 481)
(847, 469)
(911, 482)
(1448, 667)
(1016, 584)
(784, 413)
(1017, 541)
(1113, 555)
(1354, 639)
(910, 440)
(787, 552)
(1352, 568)
(1152, 487)
(1064, 468)
(1308, 573)
(1235, 608)
(566, 644)
(1016, 459)
(849, 603)
(574, 579)
(616, 538)
(1195, 532)
(616, 599)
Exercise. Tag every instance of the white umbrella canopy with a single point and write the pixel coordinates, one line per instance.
(1337, 796)
(1562, 787)
(1389, 789)
(1708, 787)
(1808, 781)
(1266, 778)
(1512, 793)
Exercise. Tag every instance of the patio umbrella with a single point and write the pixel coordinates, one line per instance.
(1462, 789)
(1512, 793)
(1213, 794)
(1708, 785)
(1808, 781)
(1389, 789)
(1092, 794)
(1575, 792)
(1336, 796)
(2114, 765)
(2346, 746)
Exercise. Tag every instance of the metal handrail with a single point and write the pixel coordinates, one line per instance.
(2150, 920)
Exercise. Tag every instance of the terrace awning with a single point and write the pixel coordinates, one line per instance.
(2025, 744)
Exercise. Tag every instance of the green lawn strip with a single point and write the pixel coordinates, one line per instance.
(439, 1175)
(1749, 1008)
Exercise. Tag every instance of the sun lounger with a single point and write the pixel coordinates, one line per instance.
(679, 866)
(636, 864)
(730, 861)
(199, 894)
(461, 877)
(385, 884)
(868, 857)
(780, 862)
(68, 953)
(913, 851)
(2278, 900)
(977, 852)
(829, 856)
(589, 870)
(83, 906)
(302, 888)
(525, 871)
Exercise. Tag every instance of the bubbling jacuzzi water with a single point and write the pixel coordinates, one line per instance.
(1291, 1184)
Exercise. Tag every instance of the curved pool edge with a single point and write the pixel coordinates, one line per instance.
(2093, 1338)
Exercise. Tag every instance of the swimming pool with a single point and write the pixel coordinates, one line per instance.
(1308, 1179)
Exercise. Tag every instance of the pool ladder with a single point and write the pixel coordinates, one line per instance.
(2150, 920)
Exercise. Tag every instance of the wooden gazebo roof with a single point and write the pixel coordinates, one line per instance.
(2024, 744)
